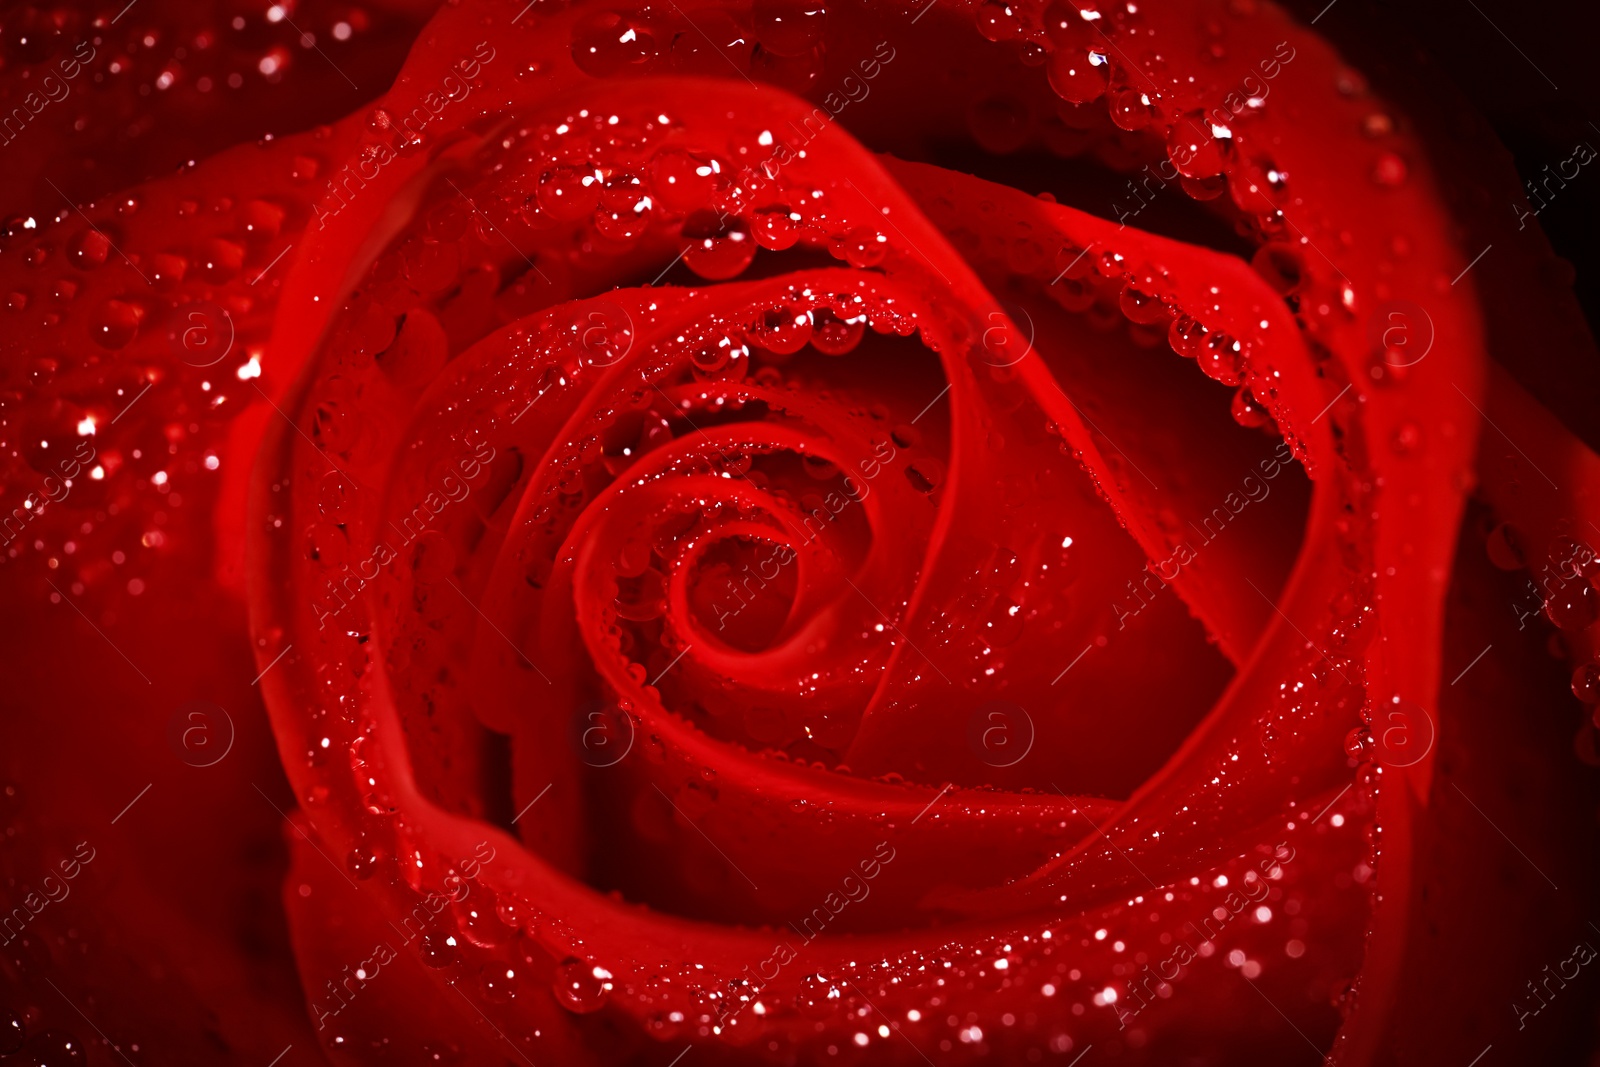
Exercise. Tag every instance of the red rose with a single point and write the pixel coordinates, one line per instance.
(733, 575)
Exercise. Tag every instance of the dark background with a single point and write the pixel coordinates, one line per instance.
(1539, 91)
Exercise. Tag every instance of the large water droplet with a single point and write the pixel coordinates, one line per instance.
(1196, 146)
(219, 261)
(685, 181)
(782, 330)
(569, 193)
(1220, 358)
(262, 220)
(88, 249)
(863, 247)
(1141, 305)
(1574, 606)
(580, 987)
(721, 246)
(1247, 411)
(114, 324)
(1077, 73)
(625, 210)
(833, 336)
(1186, 336)
(1130, 109)
(1586, 683)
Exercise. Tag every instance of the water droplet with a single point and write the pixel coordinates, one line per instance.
(721, 247)
(438, 949)
(1130, 109)
(625, 210)
(1000, 123)
(862, 248)
(643, 598)
(1220, 358)
(335, 496)
(818, 997)
(1256, 185)
(1077, 73)
(12, 1034)
(417, 353)
(88, 250)
(262, 220)
(1186, 335)
(580, 987)
(362, 861)
(1586, 683)
(510, 911)
(833, 336)
(500, 983)
(1141, 305)
(1196, 146)
(569, 193)
(789, 27)
(782, 330)
(607, 42)
(1065, 22)
(1282, 266)
(219, 261)
(475, 915)
(1505, 548)
(114, 324)
(997, 22)
(775, 226)
(925, 475)
(1003, 624)
(685, 181)
(1247, 411)
(56, 1048)
(167, 270)
(1574, 606)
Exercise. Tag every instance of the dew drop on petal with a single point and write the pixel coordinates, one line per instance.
(579, 986)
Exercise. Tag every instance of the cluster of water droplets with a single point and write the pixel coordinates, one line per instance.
(774, 41)
(729, 529)
(623, 182)
(1564, 587)
(144, 351)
